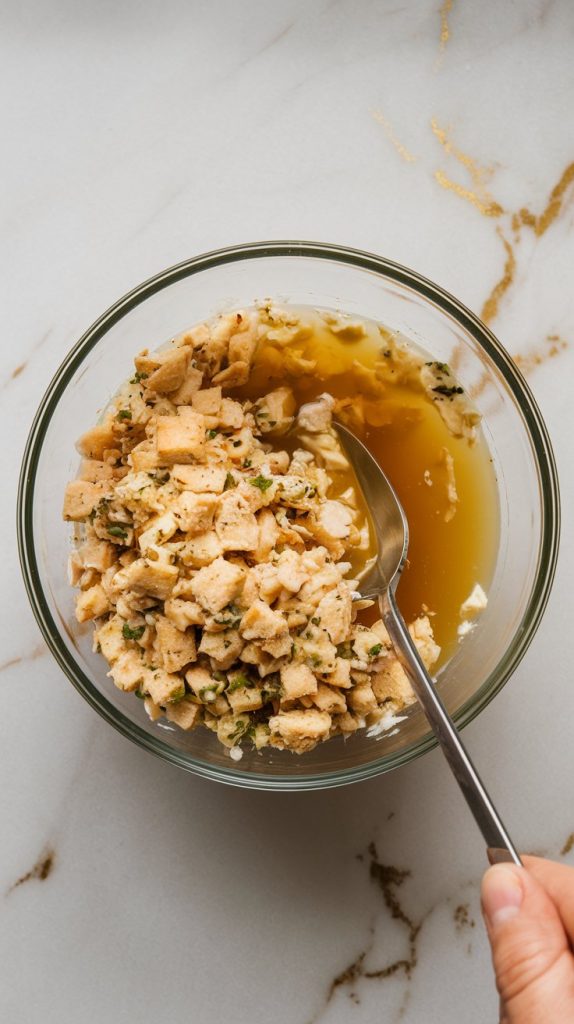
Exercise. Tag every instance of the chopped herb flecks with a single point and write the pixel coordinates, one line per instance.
(118, 531)
(262, 482)
(132, 632)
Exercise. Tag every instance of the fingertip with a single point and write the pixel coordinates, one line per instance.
(502, 893)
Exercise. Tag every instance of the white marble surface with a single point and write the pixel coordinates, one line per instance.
(135, 135)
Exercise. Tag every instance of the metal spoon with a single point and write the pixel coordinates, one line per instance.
(392, 535)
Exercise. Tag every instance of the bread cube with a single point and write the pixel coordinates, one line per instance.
(184, 713)
(92, 603)
(199, 478)
(245, 698)
(109, 638)
(201, 550)
(217, 584)
(170, 374)
(177, 648)
(261, 622)
(155, 578)
(202, 683)
(391, 683)
(183, 613)
(96, 441)
(81, 497)
(362, 699)
(207, 401)
(128, 671)
(235, 524)
(95, 470)
(180, 438)
(299, 730)
(194, 512)
(224, 648)
(329, 700)
(297, 680)
(191, 383)
(164, 687)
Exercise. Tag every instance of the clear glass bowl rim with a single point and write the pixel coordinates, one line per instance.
(534, 424)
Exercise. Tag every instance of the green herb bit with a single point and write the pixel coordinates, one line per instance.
(344, 650)
(138, 377)
(315, 620)
(118, 531)
(241, 728)
(124, 414)
(238, 682)
(211, 433)
(132, 632)
(441, 367)
(178, 696)
(230, 482)
(375, 650)
(247, 463)
(208, 693)
(262, 482)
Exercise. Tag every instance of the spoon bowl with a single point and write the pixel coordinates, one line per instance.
(390, 529)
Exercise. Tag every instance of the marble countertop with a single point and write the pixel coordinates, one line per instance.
(140, 134)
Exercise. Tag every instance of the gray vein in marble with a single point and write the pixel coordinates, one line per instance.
(41, 871)
(388, 879)
(462, 918)
(276, 38)
(168, 201)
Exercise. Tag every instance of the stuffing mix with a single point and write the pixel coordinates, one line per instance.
(217, 554)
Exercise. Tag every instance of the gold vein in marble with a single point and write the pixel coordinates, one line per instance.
(540, 224)
(403, 152)
(38, 652)
(478, 195)
(491, 306)
(445, 9)
(552, 346)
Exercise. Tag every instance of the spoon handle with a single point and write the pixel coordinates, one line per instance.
(498, 842)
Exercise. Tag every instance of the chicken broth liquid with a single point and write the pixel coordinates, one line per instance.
(448, 553)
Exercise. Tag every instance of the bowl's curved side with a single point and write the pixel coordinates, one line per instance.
(485, 339)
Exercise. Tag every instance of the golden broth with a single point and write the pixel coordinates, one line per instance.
(446, 557)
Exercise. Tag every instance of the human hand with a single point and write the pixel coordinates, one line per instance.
(529, 915)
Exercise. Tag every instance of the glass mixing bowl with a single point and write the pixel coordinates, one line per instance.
(358, 283)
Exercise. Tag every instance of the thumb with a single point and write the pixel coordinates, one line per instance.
(532, 960)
